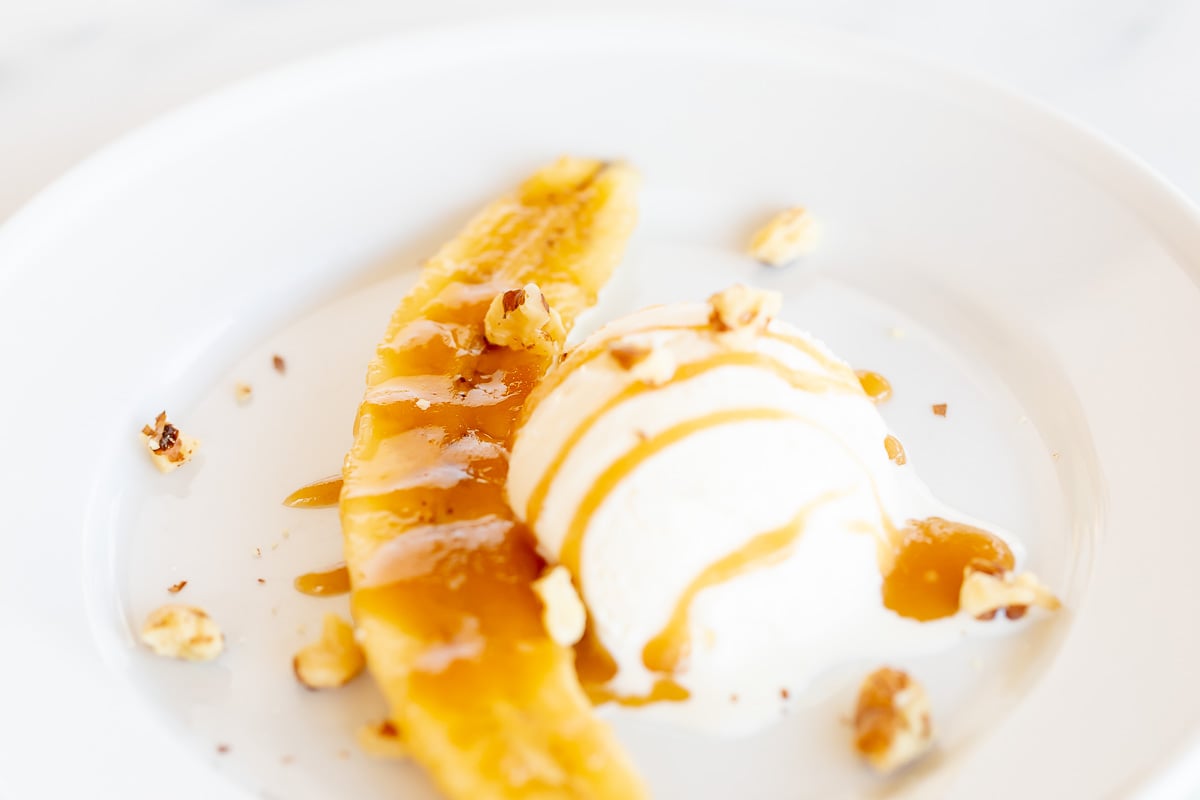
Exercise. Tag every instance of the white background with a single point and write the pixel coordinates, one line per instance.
(74, 74)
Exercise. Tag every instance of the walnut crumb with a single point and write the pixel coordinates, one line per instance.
(790, 234)
(939, 409)
(242, 393)
(741, 308)
(279, 364)
(169, 447)
(988, 588)
(522, 319)
(382, 740)
(651, 365)
(222, 749)
(563, 613)
(262, 580)
(183, 632)
(627, 354)
(784, 693)
(176, 588)
(333, 660)
(892, 723)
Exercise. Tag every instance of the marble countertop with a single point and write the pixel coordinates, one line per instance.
(75, 74)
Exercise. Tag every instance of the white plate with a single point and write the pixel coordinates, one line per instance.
(1046, 284)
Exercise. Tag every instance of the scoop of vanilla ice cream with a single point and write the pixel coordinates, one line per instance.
(722, 500)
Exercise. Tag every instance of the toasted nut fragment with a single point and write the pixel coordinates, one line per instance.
(242, 393)
(382, 740)
(628, 354)
(939, 409)
(987, 589)
(563, 613)
(176, 588)
(522, 319)
(742, 308)
(789, 235)
(892, 726)
(183, 632)
(169, 448)
(333, 660)
(650, 365)
(279, 364)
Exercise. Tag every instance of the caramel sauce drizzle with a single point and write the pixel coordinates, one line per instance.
(800, 379)
(829, 362)
(616, 472)
(325, 583)
(927, 574)
(578, 358)
(668, 651)
(664, 690)
(877, 387)
(318, 494)
(581, 356)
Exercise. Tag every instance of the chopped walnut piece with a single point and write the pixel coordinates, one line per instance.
(522, 319)
(279, 364)
(333, 660)
(183, 632)
(242, 393)
(939, 409)
(988, 589)
(628, 354)
(789, 235)
(648, 364)
(382, 740)
(176, 588)
(892, 725)
(741, 308)
(563, 613)
(169, 448)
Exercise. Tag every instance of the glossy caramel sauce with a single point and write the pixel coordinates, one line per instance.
(668, 651)
(599, 347)
(664, 690)
(802, 380)
(581, 356)
(895, 450)
(325, 583)
(457, 570)
(572, 546)
(927, 573)
(318, 494)
(875, 385)
(828, 361)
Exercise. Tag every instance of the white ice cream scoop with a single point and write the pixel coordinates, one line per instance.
(726, 504)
